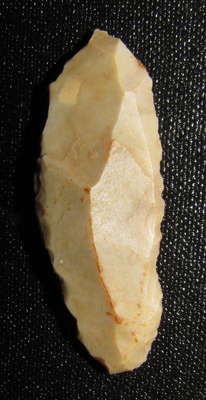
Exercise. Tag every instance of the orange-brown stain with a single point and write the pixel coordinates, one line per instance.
(140, 64)
(114, 315)
(42, 209)
(101, 361)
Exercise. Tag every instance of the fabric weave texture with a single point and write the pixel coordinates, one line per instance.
(41, 358)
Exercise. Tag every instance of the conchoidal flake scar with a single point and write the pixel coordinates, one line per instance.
(99, 202)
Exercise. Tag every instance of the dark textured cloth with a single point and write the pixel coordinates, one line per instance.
(40, 357)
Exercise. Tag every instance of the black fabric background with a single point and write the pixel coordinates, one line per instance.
(40, 357)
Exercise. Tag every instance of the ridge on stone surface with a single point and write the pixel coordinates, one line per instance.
(99, 202)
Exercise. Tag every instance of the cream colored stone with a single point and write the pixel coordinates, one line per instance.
(99, 202)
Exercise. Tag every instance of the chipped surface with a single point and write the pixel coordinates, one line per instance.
(101, 187)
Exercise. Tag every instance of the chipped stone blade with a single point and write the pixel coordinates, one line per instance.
(99, 202)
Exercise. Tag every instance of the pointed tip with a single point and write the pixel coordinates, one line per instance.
(102, 39)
